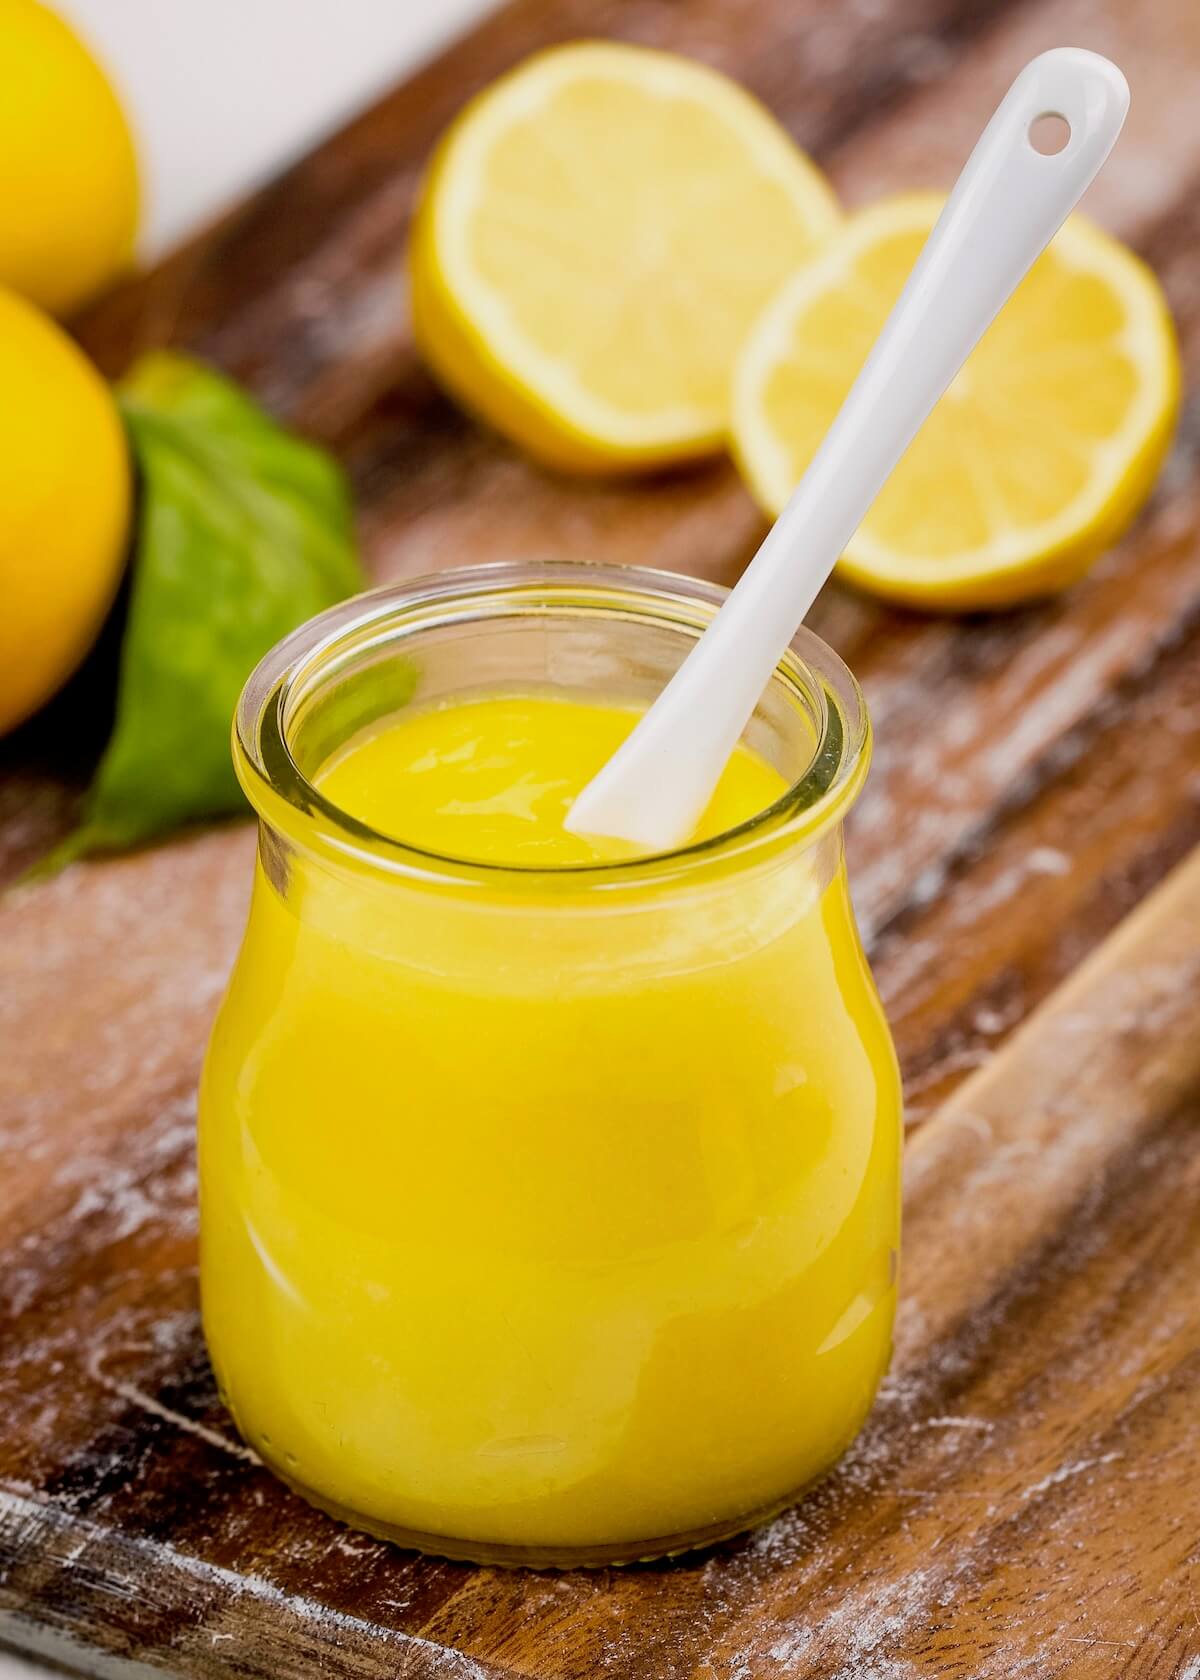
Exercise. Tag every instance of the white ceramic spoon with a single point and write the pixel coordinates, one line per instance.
(1006, 207)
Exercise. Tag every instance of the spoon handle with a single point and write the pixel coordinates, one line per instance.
(1007, 205)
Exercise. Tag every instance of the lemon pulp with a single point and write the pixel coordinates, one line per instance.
(1038, 455)
(597, 233)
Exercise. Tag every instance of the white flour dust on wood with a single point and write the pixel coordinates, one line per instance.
(122, 1567)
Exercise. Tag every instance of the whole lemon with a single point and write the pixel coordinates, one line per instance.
(64, 506)
(70, 200)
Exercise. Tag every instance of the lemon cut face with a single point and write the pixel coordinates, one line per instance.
(598, 232)
(1037, 457)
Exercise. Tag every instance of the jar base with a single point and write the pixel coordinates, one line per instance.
(502, 1556)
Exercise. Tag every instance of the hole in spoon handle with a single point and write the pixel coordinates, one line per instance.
(1050, 134)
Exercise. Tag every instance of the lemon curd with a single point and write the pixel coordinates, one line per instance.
(549, 1194)
(493, 779)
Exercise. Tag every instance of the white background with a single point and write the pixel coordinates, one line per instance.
(221, 93)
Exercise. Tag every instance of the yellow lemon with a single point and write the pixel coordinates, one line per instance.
(1033, 462)
(64, 506)
(598, 231)
(69, 209)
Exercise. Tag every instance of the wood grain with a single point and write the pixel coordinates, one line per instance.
(1025, 1499)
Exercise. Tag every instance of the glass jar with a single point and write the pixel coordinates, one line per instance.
(547, 1216)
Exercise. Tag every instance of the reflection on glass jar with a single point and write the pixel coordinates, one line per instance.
(548, 1215)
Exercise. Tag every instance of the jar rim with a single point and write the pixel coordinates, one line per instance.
(285, 798)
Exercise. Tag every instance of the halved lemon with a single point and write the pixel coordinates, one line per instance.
(598, 231)
(1037, 457)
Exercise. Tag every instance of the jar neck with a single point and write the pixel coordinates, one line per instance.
(615, 633)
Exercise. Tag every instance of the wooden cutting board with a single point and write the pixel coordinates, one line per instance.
(1026, 1499)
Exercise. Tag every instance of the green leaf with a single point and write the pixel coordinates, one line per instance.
(244, 532)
